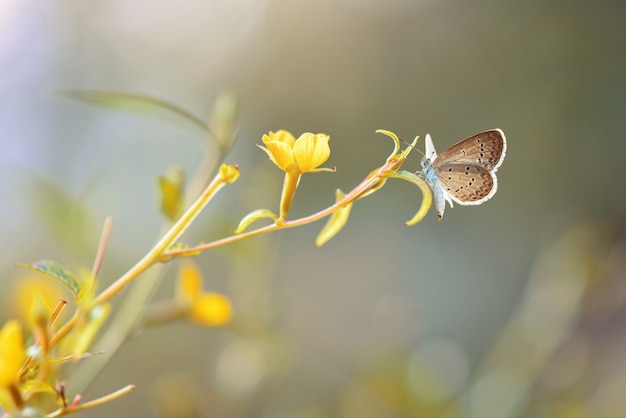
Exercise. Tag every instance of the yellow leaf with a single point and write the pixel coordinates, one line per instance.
(427, 196)
(337, 221)
(86, 334)
(253, 217)
(171, 192)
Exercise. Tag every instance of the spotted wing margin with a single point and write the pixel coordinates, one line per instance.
(467, 184)
(486, 149)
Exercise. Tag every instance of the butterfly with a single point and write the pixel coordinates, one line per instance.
(466, 172)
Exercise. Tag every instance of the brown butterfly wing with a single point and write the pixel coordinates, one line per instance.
(467, 184)
(485, 149)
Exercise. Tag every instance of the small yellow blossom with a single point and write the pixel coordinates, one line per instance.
(302, 155)
(206, 308)
(12, 353)
(295, 157)
(229, 173)
(211, 309)
(30, 288)
(12, 356)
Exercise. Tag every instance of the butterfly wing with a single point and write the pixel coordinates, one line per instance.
(430, 153)
(466, 184)
(485, 149)
(466, 171)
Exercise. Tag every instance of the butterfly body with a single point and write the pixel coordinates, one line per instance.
(465, 172)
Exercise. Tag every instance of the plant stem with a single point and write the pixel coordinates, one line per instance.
(168, 239)
(353, 195)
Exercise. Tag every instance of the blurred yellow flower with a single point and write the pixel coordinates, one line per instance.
(211, 309)
(206, 308)
(12, 353)
(30, 288)
(302, 155)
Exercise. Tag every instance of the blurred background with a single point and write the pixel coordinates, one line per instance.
(515, 308)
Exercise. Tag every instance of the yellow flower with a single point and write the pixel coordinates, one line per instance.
(211, 309)
(12, 356)
(12, 353)
(295, 157)
(206, 308)
(303, 155)
(28, 289)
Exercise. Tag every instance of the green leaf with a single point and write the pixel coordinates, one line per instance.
(67, 218)
(336, 222)
(138, 103)
(255, 216)
(56, 271)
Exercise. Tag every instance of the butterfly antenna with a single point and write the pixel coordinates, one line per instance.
(416, 149)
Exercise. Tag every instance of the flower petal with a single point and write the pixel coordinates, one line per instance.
(189, 282)
(12, 352)
(280, 153)
(311, 151)
(211, 309)
(280, 136)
